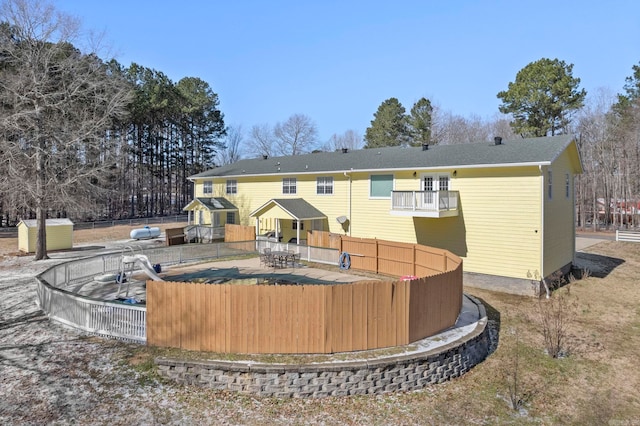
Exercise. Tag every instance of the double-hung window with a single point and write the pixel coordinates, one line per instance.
(232, 186)
(289, 185)
(324, 185)
(207, 187)
(231, 218)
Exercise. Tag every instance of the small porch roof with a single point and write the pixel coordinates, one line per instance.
(296, 208)
(211, 204)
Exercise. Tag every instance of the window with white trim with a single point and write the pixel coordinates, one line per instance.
(550, 183)
(207, 187)
(324, 185)
(380, 186)
(443, 183)
(435, 182)
(231, 218)
(232, 186)
(289, 185)
(295, 225)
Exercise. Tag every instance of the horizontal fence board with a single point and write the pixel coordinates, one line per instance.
(628, 236)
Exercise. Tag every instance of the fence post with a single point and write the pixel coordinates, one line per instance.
(413, 267)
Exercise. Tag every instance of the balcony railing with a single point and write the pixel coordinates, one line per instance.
(424, 203)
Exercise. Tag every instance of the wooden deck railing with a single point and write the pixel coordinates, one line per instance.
(426, 201)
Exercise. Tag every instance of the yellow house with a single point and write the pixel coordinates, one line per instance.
(59, 234)
(505, 207)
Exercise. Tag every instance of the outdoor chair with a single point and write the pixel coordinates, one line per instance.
(266, 258)
(295, 259)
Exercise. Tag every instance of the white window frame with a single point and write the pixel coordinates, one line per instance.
(289, 186)
(232, 186)
(439, 181)
(381, 197)
(231, 215)
(207, 187)
(324, 185)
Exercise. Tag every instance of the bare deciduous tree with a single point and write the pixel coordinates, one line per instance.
(56, 105)
(350, 139)
(296, 135)
(261, 141)
(231, 152)
(449, 129)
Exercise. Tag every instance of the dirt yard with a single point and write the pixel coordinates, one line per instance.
(53, 375)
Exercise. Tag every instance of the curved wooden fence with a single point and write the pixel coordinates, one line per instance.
(314, 318)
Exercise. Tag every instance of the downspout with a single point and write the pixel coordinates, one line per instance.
(348, 175)
(542, 216)
(573, 208)
(298, 231)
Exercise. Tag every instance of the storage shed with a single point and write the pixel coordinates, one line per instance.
(59, 234)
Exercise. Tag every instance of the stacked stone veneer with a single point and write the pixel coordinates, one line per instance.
(375, 376)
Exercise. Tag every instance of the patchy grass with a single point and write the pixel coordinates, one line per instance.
(595, 383)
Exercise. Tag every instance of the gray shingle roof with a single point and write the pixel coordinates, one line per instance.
(217, 203)
(296, 207)
(515, 151)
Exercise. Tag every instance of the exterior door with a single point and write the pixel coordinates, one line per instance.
(428, 196)
(432, 185)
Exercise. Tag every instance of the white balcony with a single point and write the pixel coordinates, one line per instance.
(424, 203)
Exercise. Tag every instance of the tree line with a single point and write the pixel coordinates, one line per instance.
(545, 100)
(88, 138)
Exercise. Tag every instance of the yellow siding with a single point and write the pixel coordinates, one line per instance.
(559, 224)
(495, 231)
(500, 214)
(59, 237)
(499, 229)
(25, 243)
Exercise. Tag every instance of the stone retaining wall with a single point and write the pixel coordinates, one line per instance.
(374, 376)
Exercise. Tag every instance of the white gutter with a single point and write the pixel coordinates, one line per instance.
(426, 169)
(348, 175)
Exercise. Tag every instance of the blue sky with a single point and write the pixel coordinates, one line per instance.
(337, 61)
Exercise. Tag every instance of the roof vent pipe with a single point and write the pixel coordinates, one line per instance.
(497, 140)
(265, 156)
(425, 146)
(345, 150)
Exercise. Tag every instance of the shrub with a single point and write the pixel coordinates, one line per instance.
(554, 316)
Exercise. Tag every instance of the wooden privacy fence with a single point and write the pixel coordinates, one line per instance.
(387, 257)
(233, 233)
(312, 318)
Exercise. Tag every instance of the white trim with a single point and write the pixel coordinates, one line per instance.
(393, 185)
(386, 171)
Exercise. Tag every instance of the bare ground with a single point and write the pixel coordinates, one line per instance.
(53, 375)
